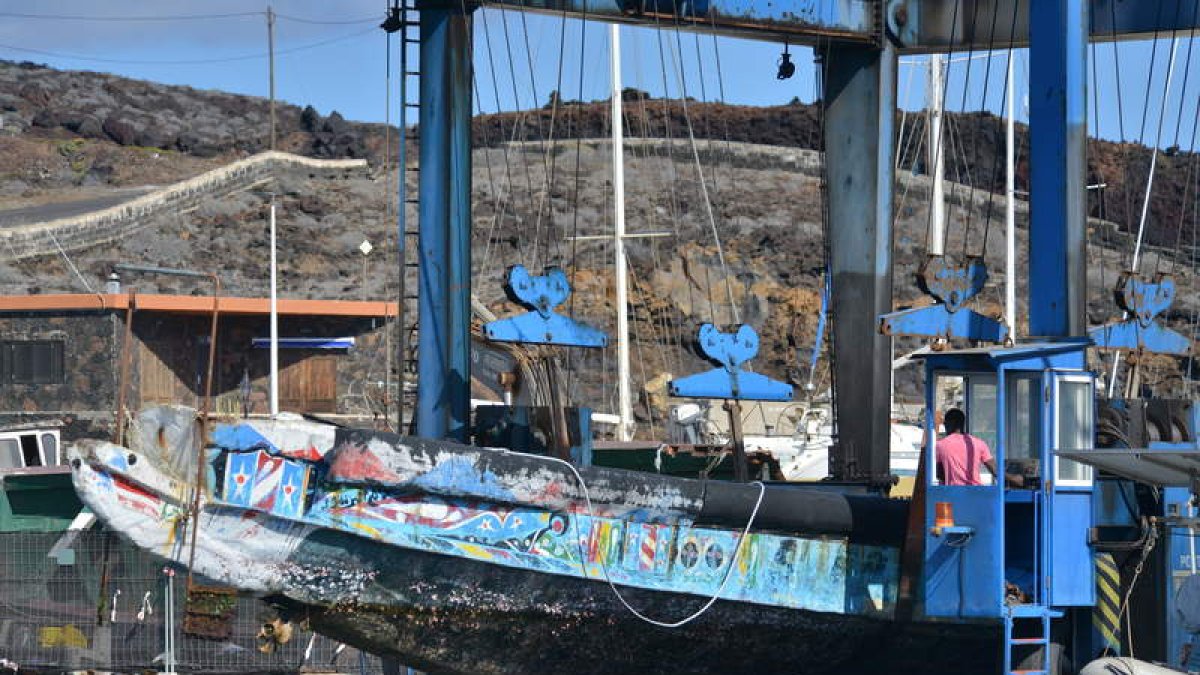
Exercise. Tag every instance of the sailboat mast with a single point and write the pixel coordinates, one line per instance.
(935, 158)
(1010, 211)
(625, 404)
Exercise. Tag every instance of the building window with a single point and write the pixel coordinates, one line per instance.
(31, 362)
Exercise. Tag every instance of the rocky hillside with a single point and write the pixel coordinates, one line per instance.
(67, 135)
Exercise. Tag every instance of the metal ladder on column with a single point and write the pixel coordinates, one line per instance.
(1022, 616)
(409, 218)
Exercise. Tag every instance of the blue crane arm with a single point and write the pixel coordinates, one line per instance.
(914, 25)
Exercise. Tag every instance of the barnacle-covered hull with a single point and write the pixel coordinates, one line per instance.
(456, 558)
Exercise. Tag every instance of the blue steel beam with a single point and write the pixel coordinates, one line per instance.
(444, 246)
(915, 25)
(860, 104)
(937, 25)
(793, 21)
(1058, 133)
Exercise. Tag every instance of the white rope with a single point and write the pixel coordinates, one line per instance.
(70, 263)
(762, 491)
(1137, 247)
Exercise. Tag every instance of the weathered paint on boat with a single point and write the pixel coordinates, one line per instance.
(456, 558)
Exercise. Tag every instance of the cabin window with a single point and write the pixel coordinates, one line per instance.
(30, 450)
(1073, 427)
(31, 362)
(981, 408)
(50, 448)
(10, 454)
(1023, 423)
(975, 395)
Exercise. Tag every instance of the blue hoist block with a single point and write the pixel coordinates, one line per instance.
(541, 325)
(952, 287)
(730, 381)
(1143, 301)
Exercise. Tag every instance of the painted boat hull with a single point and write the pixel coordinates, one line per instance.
(464, 616)
(463, 559)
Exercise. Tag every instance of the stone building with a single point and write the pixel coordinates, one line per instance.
(61, 357)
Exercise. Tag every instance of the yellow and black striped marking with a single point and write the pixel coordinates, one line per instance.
(1105, 616)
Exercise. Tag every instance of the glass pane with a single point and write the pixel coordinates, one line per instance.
(1074, 410)
(1023, 416)
(948, 392)
(50, 448)
(981, 409)
(10, 454)
(36, 362)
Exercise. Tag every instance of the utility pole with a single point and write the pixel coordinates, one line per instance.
(271, 53)
(274, 384)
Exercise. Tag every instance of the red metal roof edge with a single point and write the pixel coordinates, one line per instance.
(194, 304)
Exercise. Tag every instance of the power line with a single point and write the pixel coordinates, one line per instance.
(183, 17)
(326, 22)
(160, 17)
(181, 62)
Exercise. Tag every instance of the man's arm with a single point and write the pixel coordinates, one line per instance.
(1010, 479)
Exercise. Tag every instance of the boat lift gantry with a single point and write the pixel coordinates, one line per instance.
(859, 42)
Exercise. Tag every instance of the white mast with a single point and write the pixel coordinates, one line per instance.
(936, 158)
(625, 404)
(274, 396)
(1010, 213)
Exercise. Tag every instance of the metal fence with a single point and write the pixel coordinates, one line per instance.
(98, 603)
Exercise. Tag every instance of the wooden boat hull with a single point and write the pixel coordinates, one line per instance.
(464, 616)
(462, 559)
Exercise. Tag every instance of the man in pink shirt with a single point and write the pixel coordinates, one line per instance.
(959, 454)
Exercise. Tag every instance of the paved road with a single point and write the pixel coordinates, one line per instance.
(36, 214)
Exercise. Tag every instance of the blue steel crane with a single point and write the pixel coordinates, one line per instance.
(1040, 528)
(859, 42)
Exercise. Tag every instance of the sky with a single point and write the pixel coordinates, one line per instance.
(333, 56)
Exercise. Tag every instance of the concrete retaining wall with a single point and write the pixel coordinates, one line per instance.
(98, 227)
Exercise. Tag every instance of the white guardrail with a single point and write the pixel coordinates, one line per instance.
(108, 224)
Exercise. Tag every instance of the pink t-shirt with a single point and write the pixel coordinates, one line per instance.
(959, 457)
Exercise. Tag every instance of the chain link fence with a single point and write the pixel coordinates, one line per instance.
(73, 601)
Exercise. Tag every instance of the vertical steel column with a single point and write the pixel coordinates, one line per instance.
(1058, 32)
(860, 108)
(444, 248)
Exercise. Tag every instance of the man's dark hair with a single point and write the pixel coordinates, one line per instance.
(955, 421)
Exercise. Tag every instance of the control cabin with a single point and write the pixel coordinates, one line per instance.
(1015, 547)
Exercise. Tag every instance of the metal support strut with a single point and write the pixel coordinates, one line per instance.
(860, 101)
(1058, 136)
(444, 374)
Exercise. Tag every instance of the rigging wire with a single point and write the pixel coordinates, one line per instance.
(943, 129)
(509, 201)
(820, 82)
(1137, 248)
(547, 168)
(1003, 106)
(550, 156)
(188, 62)
(969, 207)
(128, 18)
(705, 198)
(577, 129)
(1192, 165)
(519, 125)
(1162, 113)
